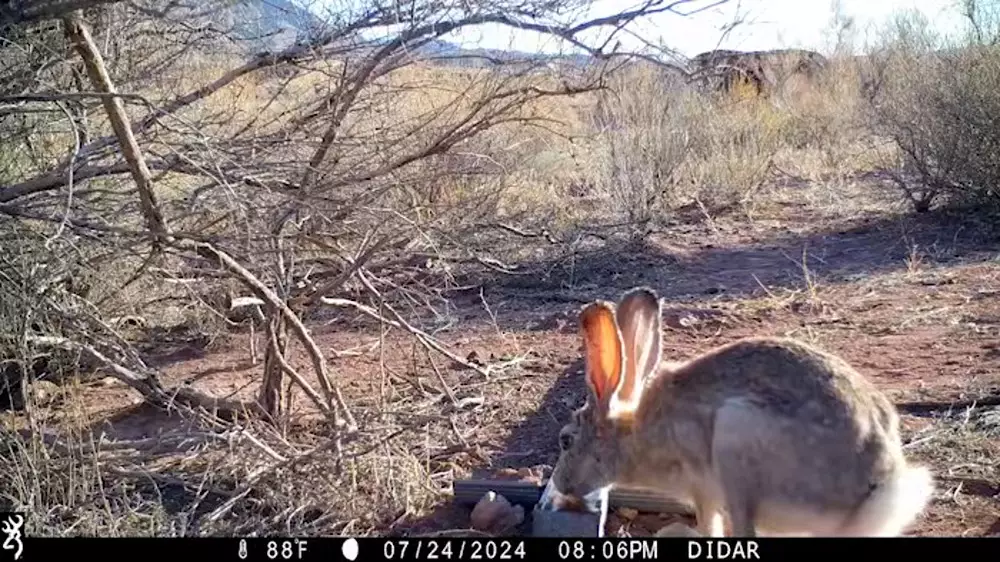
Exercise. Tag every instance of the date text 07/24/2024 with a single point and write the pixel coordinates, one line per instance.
(568, 549)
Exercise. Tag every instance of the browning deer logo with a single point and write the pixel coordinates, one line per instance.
(12, 528)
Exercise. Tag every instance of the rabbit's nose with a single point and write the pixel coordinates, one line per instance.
(569, 502)
(566, 501)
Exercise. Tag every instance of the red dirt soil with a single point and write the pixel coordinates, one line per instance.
(922, 333)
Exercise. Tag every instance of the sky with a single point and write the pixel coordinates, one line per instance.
(768, 24)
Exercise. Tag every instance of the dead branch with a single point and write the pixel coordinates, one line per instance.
(256, 476)
(359, 79)
(62, 96)
(16, 12)
(341, 412)
(927, 407)
(423, 337)
(291, 372)
(148, 385)
(79, 34)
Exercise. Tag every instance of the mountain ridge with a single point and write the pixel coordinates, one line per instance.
(277, 24)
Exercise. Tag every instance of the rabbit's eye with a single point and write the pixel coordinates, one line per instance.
(566, 441)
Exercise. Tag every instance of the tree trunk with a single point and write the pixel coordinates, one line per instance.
(271, 394)
(79, 35)
(16, 12)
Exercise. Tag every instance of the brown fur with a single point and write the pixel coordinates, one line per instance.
(772, 432)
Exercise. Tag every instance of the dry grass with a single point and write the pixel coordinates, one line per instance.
(731, 194)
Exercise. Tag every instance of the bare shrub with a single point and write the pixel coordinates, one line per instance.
(641, 120)
(664, 144)
(344, 177)
(938, 102)
(736, 140)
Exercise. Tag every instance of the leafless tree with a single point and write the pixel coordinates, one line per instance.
(330, 191)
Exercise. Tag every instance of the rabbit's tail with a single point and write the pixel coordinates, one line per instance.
(894, 504)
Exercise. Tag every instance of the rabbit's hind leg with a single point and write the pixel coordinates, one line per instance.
(710, 520)
(708, 502)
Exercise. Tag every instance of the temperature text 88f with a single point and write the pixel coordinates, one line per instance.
(294, 549)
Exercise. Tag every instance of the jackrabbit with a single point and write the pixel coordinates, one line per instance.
(777, 435)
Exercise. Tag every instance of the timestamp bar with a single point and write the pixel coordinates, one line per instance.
(348, 549)
(642, 549)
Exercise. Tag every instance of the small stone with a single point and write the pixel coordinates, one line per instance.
(44, 392)
(515, 518)
(473, 358)
(678, 529)
(527, 475)
(493, 513)
(687, 321)
(531, 475)
(628, 513)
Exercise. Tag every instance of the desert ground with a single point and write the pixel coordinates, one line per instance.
(462, 239)
(912, 302)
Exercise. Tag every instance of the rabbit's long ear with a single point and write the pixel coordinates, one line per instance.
(639, 320)
(603, 356)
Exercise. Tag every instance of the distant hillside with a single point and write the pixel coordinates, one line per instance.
(449, 53)
(277, 24)
(270, 24)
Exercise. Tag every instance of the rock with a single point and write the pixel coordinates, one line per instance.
(532, 475)
(494, 514)
(507, 473)
(678, 530)
(566, 524)
(628, 513)
(45, 392)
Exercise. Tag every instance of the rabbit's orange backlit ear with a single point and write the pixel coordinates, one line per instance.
(602, 350)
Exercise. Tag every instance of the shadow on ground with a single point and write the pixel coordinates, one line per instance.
(685, 268)
(528, 453)
(692, 263)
